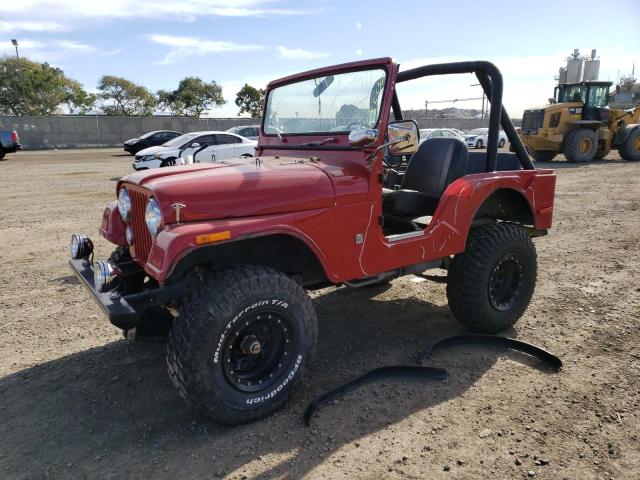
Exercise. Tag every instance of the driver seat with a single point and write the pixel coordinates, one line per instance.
(437, 162)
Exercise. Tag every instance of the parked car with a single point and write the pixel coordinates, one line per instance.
(9, 142)
(252, 132)
(479, 137)
(205, 147)
(218, 259)
(149, 139)
(426, 133)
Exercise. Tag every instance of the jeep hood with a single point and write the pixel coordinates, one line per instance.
(238, 188)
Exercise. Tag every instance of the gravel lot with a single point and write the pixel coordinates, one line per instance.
(78, 401)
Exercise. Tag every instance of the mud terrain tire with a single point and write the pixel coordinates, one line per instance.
(580, 146)
(491, 283)
(242, 343)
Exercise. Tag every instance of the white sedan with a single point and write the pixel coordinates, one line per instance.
(479, 137)
(196, 147)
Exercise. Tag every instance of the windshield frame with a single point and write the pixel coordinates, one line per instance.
(316, 74)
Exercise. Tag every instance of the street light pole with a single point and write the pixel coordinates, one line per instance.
(14, 42)
(483, 96)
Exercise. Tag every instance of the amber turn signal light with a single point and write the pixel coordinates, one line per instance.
(213, 237)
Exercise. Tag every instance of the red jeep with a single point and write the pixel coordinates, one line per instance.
(218, 257)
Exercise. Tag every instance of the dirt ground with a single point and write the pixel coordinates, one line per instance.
(79, 401)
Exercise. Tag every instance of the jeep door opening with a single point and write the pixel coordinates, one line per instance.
(219, 257)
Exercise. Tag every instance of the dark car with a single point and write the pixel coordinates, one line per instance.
(149, 139)
(9, 142)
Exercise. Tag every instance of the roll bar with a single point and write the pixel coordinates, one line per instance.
(491, 80)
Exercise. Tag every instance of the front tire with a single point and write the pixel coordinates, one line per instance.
(630, 149)
(169, 162)
(491, 283)
(479, 144)
(581, 145)
(501, 143)
(242, 343)
(1, 153)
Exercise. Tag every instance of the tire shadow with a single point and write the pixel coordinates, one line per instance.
(112, 412)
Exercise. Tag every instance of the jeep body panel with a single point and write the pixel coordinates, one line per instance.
(325, 196)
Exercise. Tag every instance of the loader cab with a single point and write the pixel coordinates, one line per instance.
(593, 95)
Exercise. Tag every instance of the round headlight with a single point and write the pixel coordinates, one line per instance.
(81, 246)
(104, 275)
(129, 234)
(124, 204)
(153, 216)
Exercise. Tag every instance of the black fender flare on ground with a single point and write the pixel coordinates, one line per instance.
(432, 373)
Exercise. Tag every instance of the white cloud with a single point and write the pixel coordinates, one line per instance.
(11, 27)
(359, 52)
(69, 11)
(300, 54)
(358, 26)
(182, 47)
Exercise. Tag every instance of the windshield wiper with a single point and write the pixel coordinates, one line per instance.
(317, 143)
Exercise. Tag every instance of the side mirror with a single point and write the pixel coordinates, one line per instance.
(362, 137)
(195, 145)
(404, 137)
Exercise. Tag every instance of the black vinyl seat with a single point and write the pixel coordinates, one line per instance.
(436, 163)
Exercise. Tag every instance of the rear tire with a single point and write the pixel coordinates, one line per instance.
(542, 155)
(630, 149)
(580, 145)
(242, 343)
(1, 153)
(501, 143)
(490, 284)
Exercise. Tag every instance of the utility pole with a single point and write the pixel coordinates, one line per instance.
(14, 42)
(426, 109)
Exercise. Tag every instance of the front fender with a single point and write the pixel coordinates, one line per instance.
(112, 227)
(176, 241)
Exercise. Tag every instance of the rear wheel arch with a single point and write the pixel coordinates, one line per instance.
(506, 204)
(280, 251)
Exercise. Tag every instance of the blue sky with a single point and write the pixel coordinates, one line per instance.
(156, 43)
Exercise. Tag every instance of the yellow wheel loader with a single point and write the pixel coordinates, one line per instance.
(579, 124)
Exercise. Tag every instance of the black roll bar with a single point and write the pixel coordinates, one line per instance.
(491, 80)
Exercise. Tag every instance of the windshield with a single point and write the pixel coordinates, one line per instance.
(180, 140)
(478, 131)
(576, 93)
(335, 103)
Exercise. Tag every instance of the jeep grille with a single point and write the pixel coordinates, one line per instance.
(141, 237)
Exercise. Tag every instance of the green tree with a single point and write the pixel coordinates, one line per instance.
(123, 97)
(250, 100)
(46, 88)
(192, 97)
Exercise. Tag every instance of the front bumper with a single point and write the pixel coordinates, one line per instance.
(124, 311)
(113, 304)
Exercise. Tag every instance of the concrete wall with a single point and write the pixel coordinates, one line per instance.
(84, 131)
(105, 131)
